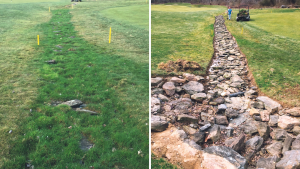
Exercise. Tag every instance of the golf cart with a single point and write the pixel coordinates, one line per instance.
(243, 14)
(76, 0)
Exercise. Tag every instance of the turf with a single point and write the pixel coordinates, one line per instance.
(271, 43)
(182, 35)
(113, 85)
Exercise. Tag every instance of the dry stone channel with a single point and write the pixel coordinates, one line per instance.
(223, 114)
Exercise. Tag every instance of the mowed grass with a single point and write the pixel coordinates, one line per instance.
(182, 31)
(271, 42)
(115, 86)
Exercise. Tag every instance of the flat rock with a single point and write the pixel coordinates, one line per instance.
(155, 105)
(296, 130)
(236, 79)
(239, 143)
(73, 103)
(187, 118)
(198, 137)
(273, 120)
(156, 81)
(275, 148)
(177, 80)
(169, 88)
(250, 127)
(287, 122)
(214, 133)
(86, 111)
(265, 115)
(270, 104)
(263, 130)
(290, 160)
(189, 130)
(221, 120)
(158, 123)
(222, 157)
(163, 98)
(253, 112)
(199, 97)
(267, 163)
(85, 144)
(287, 144)
(279, 134)
(193, 87)
(294, 111)
(239, 120)
(205, 127)
(254, 143)
(296, 143)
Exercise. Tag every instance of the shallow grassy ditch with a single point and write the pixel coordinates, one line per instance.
(93, 76)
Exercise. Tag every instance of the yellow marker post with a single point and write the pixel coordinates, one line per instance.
(72, 6)
(109, 35)
(212, 32)
(49, 8)
(242, 30)
(38, 39)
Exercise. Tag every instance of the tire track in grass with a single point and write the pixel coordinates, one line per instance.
(94, 77)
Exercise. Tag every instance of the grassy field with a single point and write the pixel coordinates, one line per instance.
(271, 42)
(111, 79)
(182, 31)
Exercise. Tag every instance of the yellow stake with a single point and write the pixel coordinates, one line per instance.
(271, 11)
(242, 31)
(72, 6)
(212, 32)
(49, 8)
(109, 35)
(38, 39)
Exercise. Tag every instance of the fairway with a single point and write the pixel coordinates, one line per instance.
(111, 79)
(182, 35)
(271, 42)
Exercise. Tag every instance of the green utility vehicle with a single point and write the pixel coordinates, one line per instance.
(243, 14)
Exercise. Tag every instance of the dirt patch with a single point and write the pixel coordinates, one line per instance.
(180, 66)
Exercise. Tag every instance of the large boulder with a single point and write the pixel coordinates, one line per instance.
(193, 87)
(222, 157)
(270, 104)
(290, 160)
(287, 122)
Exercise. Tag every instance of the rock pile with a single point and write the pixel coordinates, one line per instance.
(223, 114)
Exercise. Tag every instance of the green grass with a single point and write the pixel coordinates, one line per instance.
(161, 164)
(182, 34)
(115, 86)
(271, 43)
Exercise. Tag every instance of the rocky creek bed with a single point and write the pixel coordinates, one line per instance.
(220, 121)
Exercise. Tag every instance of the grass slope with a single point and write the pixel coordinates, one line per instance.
(114, 86)
(271, 43)
(182, 34)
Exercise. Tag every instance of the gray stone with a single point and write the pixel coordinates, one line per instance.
(267, 163)
(270, 104)
(73, 103)
(205, 116)
(254, 143)
(257, 105)
(250, 93)
(236, 79)
(189, 130)
(279, 134)
(51, 62)
(273, 120)
(205, 127)
(86, 111)
(294, 111)
(296, 143)
(250, 127)
(231, 113)
(222, 107)
(221, 120)
(239, 120)
(169, 88)
(156, 81)
(287, 144)
(163, 98)
(178, 89)
(177, 80)
(187, 118)
(275, 148)
(193, 87)
(287, 122)
(220, 100)
(265, 115)
(199, 97)
(157, 91)
(158, 123)
(229, 131)
(198, 137)
(182, 134)
(193, 144)
(155, 105)
(263, 130)
(296, 130)
(228, 154)
(290, 160)
(238, 143)
(85, 144)
(214, 133)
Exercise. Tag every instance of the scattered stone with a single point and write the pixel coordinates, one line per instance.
(205, 127)
(257, 105)
(296, 130)
(265, 115)
(275, 148)
(220, 100)
(189, 130)
(270, 104)
(181, 134)
(85, 144)
(254, 143)
(287, 144)
(254, 112)
(273, 120)
(169, 88)
(238, 143)
(250, 127)
(157, 91)
(156, 81)
(236, 79)
(267, 163)
(294, 111)
(221, 120)
(199, 97)
(193, 87)
(86, 111)
(296, 143)
(279, 134)
(226, 158)
(187, 118)
(214, 133)
(177, 80)
(229, 131)
(287, 122)
(155, 105)
(158, 123)
(163, 98)
(73, 103)
(222, 107)
(239, 120)
(250, 93)
(263, 130)
(205, 116)
(231, 113)
(51, 62)
(198, 137)
(291, 159)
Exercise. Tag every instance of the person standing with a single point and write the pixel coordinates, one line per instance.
(229, 12)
